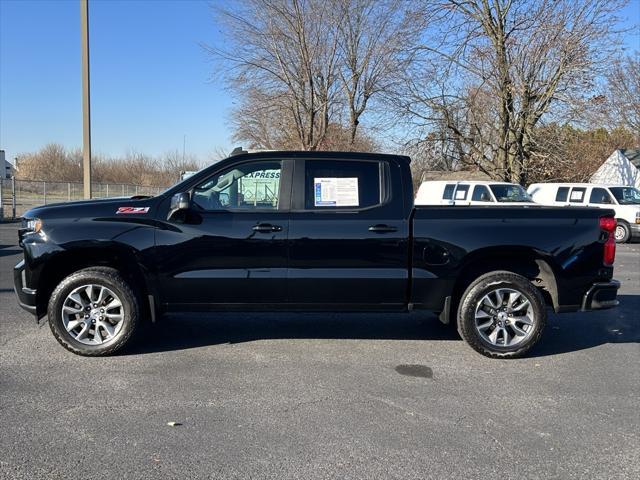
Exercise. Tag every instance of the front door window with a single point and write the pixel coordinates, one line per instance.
(248, 186)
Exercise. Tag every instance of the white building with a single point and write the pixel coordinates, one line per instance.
(621, 168)
(7, 170)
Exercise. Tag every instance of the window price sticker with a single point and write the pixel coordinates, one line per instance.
(336, 192)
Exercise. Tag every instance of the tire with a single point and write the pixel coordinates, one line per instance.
(491, 327)
(622, 232)
(108, 326)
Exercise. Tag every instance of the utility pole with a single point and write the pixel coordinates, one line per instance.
(86, 104)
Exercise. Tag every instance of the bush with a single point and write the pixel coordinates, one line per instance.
(54, 163)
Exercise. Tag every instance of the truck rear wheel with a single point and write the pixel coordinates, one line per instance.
(501, 315)
(93, 312)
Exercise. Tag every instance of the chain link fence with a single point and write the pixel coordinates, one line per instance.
(18, 196)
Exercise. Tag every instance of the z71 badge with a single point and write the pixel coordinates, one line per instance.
(132, 210)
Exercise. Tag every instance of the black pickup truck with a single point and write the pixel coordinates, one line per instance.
(310, 231)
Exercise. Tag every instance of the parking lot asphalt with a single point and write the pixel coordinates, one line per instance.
(322, 396)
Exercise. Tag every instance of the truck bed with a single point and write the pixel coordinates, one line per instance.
(567, 240)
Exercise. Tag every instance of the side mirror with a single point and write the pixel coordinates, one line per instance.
(180, 201)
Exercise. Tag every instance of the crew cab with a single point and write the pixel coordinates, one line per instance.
(310, 231)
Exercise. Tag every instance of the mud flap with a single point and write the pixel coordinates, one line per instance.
(444, 316)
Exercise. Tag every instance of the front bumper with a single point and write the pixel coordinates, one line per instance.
(26, 296)
(634, 229)
(601, 295)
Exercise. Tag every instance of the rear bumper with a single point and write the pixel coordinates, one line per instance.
(26, 296)
(601, 295)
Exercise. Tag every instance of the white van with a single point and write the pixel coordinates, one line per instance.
(624, 200)
(454, 192)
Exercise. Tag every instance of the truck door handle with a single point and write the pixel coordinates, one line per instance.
(379, 228)
(266, 228)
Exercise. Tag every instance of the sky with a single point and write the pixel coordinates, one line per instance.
(151, 81)
(152, 84)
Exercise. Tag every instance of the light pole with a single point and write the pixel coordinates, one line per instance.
(86, 104)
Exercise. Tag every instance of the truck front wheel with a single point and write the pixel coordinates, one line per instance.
(501, 315)
(93, 312)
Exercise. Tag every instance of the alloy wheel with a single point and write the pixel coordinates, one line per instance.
(504, 317)
(93, 314)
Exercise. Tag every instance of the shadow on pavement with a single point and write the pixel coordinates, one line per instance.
(577, 331)
(5, 252)
(564, 333)
(184, 331)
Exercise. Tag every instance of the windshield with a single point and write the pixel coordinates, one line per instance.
(184, 177)
(510, 193)
(626, 195)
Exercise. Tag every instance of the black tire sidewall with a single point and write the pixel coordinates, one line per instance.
(109, 279)
(478, 289)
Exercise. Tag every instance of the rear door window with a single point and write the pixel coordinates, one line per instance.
(577, 195)
(331, 184)
(563, 194)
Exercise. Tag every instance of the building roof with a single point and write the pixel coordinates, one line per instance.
(633, 154)
(457, 176)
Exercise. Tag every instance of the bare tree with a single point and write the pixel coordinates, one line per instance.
(263, 121)
(300, 66)
(376, 40)
(492, 69)
(286, 51)
(567, 153)
(624, 93)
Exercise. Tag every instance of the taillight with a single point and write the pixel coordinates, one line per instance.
(608, 224)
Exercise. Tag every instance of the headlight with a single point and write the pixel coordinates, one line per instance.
(637, 217)
(32, 225)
